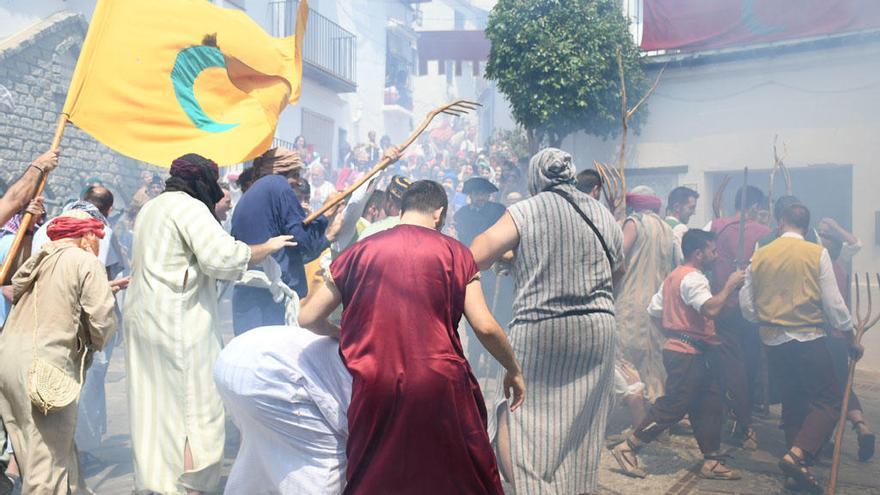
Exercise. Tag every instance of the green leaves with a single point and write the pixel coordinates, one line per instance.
(555, 62)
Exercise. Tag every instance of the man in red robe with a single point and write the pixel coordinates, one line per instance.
(417, 420)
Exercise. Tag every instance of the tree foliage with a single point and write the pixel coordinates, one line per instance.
(556, 62)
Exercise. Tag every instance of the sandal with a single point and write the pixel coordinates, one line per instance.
(866, 442)
(718, 471)
(798, 470)
(625, 456)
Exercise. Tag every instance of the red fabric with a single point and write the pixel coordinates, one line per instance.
(681, 317)
(727, 241)
(417, 420)
(642, 202)
(703, 24)
(72, 228)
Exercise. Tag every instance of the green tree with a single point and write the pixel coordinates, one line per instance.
(556, 62)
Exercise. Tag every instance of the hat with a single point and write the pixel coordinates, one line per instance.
(399, 184)
(478, 184)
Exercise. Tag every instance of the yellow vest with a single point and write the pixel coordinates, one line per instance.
(785, 284)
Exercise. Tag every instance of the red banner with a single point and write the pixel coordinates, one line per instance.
(702, 24)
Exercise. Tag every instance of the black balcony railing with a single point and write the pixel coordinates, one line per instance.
(328, 48)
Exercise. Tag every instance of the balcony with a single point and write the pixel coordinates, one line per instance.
(328, 49)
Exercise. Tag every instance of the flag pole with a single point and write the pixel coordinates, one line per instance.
(28, 218)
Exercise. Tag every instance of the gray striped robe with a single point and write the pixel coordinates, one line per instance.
(563, 332)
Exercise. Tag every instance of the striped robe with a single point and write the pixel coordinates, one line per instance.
(172, 341)
(563, 332)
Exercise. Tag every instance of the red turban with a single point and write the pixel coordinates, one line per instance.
(642, 202)
(72, 228)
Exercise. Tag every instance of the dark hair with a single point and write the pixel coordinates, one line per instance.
(797, 215)
(695, 240)
(587, 180)
(424, 196)
(303, 190)
(753, 196)
(782, 203)
(101, 197)
(680, 195)
(246, 178)
(376, 199)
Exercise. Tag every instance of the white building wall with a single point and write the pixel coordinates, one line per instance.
(823, 104)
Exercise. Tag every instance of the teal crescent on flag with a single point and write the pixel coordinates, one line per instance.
(189, 64)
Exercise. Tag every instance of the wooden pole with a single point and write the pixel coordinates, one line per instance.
(28, 219)
(841, 425)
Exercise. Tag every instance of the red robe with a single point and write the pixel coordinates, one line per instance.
(417, 421)
(727, 242)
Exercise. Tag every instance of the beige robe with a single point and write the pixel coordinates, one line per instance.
(74, 304)
(653, 256)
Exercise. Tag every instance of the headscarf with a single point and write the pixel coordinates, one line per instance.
(12, 226)
(550, 167)
(643, 198)
(87, 207)
(73, 225)
(196, 176)
(280, 161)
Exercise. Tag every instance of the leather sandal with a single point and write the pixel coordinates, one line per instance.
(798, 470)
(718, 471)
(625, 456)
(866, 442)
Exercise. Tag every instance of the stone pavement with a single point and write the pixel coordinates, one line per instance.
(670, 462)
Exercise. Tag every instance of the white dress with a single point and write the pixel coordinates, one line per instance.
(288, 392)
(172, 341)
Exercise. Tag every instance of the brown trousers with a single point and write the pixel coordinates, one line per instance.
(810, 392)
(692, 389)
(737, 356)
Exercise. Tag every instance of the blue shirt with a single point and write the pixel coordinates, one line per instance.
(270, 208)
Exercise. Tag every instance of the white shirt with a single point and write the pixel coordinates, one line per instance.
(694, 289)
(680, 229)
(835, 310)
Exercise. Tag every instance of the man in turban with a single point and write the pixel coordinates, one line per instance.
(651, 253)
(172, 333)
(269, 208)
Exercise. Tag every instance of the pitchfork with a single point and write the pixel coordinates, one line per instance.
(779, 167)
(613, 186)
(455, 109)
(862, 323)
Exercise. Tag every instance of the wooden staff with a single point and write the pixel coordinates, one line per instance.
(863, 323)
(718, 202)
(456, 109)
(28, 218)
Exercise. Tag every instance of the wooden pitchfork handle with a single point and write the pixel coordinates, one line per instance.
(863, 323)
(456, 109)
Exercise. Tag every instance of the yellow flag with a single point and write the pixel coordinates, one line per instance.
(161, 78)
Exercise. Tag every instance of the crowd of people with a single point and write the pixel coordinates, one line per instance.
(467, 317)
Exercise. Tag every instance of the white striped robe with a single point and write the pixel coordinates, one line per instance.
(172, 341)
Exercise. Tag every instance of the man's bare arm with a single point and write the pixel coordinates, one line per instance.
(492, 244)
(19, 194)
(318, 307)
(492, 337)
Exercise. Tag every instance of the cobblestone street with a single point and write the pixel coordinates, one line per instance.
(671, 461)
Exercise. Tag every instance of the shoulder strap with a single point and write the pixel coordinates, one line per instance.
(567, 197)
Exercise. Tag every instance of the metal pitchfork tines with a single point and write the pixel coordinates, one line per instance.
(862, 322)
(613, 186)
(457, 108)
